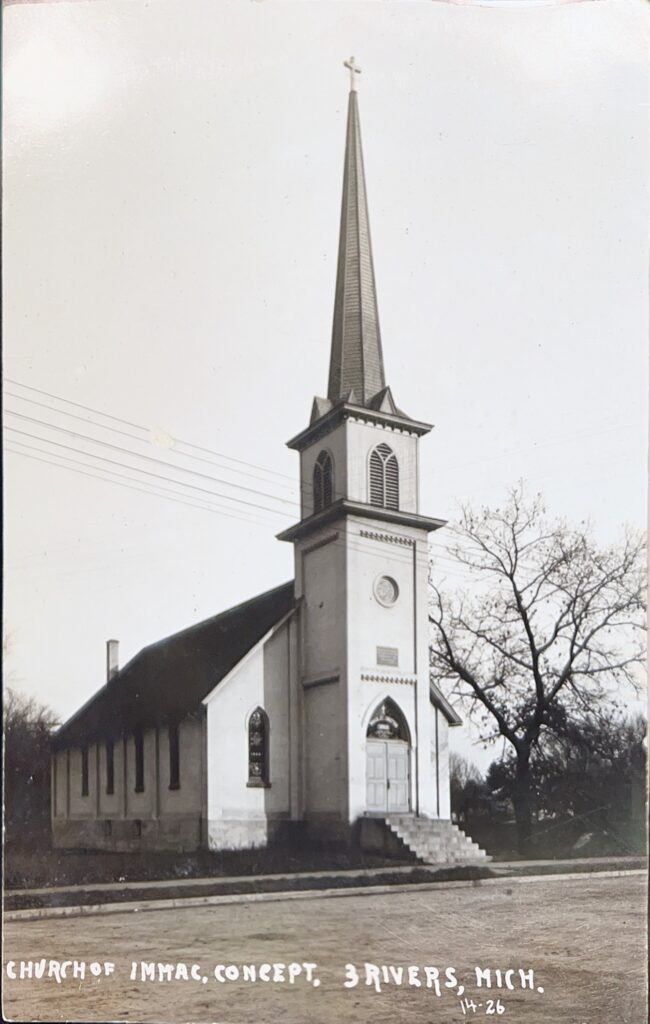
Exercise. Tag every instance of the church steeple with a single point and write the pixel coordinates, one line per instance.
(356, 362)
(359, 454)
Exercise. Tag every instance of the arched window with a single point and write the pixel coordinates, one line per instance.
(384, 477)
(388, 723)
(323, 481)
(258, 748)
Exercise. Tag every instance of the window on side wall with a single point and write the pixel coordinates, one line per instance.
(323, 481)
(139, 761)
(258, 749)
(110, 767)
(84, 771)
(173, 737)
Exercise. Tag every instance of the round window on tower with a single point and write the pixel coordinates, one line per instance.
(386, 590)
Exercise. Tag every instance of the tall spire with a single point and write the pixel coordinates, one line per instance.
(356, 362)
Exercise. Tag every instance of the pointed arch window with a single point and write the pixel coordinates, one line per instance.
(258, 748)
(323, 481)
(384, 477)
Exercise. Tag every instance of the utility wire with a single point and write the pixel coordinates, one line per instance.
(158, 476)
(464, 570)
(449, 466)
(139, 426)
(155, 489)
(227, 483)
(355, 545)
(151, 458)
(143, 440)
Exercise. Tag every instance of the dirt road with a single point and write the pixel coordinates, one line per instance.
(583, 939)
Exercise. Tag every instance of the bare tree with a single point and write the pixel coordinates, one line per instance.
(466, 784)
(28, 728)
(554, 626)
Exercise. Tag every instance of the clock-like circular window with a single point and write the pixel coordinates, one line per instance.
(386, 590)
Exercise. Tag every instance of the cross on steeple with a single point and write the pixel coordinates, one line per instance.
(353, 69)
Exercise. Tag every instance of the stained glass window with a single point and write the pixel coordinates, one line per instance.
(258, 748)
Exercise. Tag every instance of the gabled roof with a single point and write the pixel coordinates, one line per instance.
(439, 701)
(170, 678)
(383, 401)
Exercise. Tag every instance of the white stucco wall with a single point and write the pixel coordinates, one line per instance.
(343, 625)
(320, 572)
(400, 553)
(350, 445)
(238, 814)
(324, 746)
(335, 444)
(440, 762)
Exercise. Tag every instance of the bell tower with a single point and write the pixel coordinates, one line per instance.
(361, 559)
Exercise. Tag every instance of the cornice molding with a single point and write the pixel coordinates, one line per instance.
(343, 507)
(388, 538)
(382, 677)
(358, 413)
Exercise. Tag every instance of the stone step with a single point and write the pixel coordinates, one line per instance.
(435, 840)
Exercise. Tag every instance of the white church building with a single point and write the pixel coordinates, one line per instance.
(310, 707)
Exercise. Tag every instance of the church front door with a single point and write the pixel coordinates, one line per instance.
(387, 776)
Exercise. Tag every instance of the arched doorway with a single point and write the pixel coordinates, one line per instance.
(388, 787)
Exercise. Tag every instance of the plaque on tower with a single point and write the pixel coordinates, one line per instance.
(388, 656)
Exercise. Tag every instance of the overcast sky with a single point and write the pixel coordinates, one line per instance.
(172, 175)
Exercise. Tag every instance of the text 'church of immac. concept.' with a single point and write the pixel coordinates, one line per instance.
(310, 708)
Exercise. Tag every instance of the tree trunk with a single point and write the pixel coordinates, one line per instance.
(522, 801)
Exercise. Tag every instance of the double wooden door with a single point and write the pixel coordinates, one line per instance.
(387, 776)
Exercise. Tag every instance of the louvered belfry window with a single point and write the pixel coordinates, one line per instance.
(323, 481)
(384, 477)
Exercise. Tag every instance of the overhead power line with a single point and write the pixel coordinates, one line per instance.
(440, 547)
(152, 458)
(155, 490)
(147, 440)
(439, 556)
(147, 472)
(139, 426)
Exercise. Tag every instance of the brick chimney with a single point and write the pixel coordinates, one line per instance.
(112, 659)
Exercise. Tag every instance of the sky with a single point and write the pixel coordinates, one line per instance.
(172, 176)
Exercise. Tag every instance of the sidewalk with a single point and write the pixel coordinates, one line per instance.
(495, 867)
(116, 897)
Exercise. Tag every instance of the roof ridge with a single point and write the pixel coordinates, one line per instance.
(212, 618)
(194, 657)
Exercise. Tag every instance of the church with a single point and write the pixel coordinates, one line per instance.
(309, 709)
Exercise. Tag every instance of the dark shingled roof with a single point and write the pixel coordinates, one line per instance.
(170, 678)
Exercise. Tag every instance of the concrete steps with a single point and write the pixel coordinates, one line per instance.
(435, 841)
